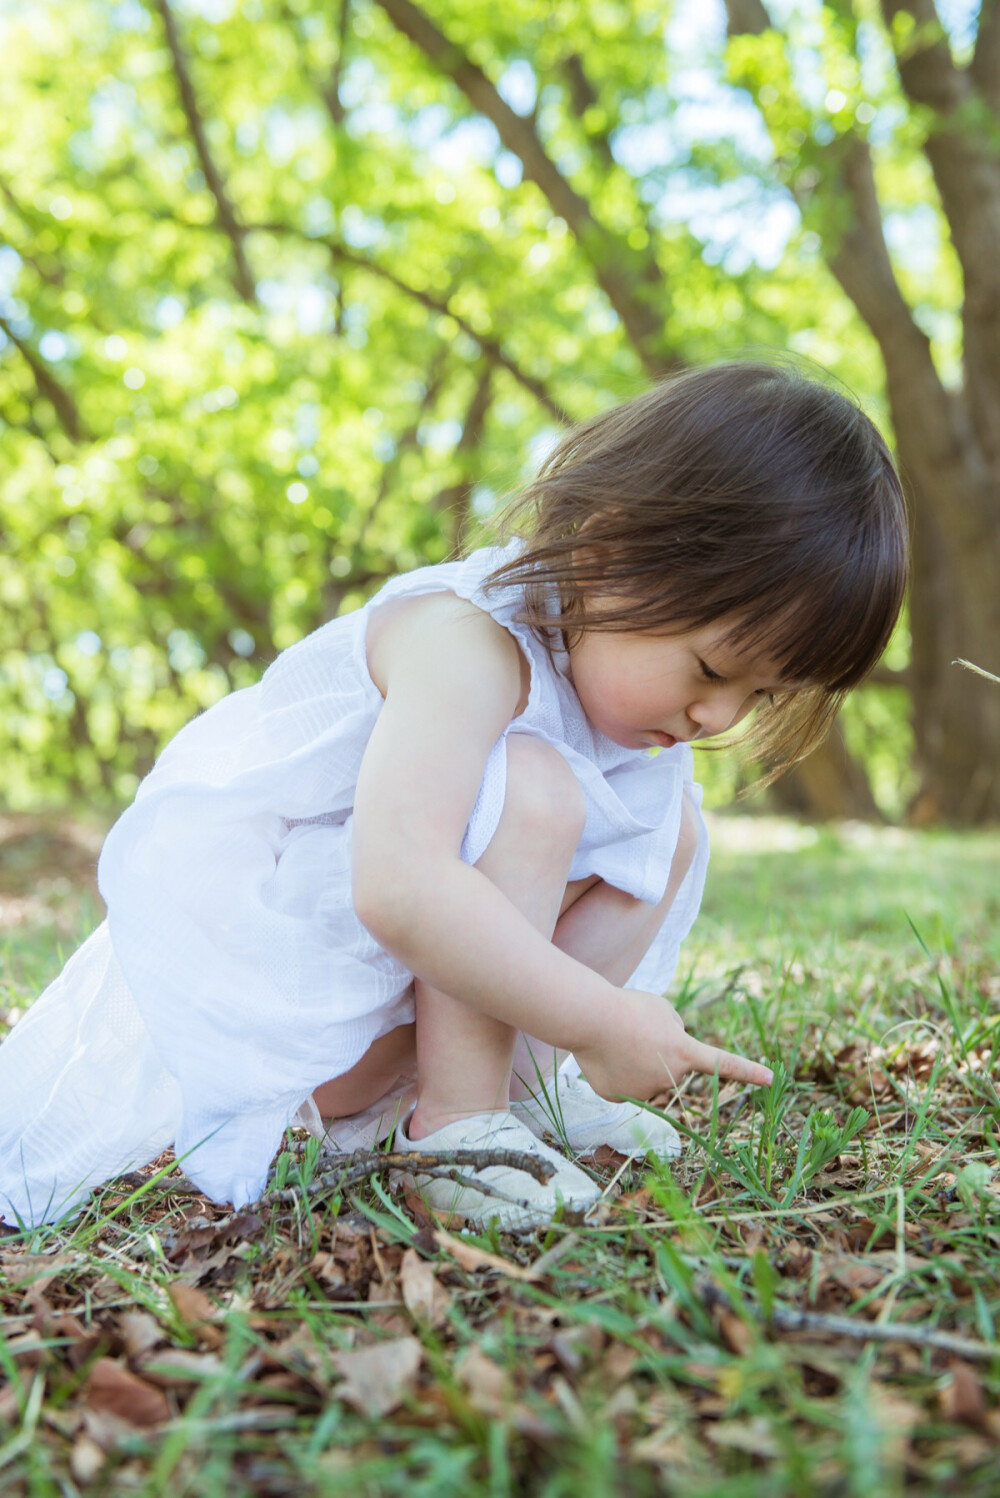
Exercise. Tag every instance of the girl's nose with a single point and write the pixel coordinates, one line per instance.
(716, 714)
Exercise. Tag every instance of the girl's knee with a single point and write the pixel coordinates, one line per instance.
(543, 798)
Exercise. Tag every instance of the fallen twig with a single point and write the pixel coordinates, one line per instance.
(784, 1319)
(917, 1335)
(343, 1171)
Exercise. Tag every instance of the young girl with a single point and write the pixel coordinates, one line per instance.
(431, 849)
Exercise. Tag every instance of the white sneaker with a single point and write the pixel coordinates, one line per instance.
(521, 1201)
(566, 1108)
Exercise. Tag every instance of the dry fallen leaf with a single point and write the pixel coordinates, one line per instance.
(377, 1379)
(470, 1257)
(424, 1296)
(112, 1389)
(176, 1367)
(485, 1382)
(86, 1459)
(197, 1311)
(139, 1332)
(753, 1436)
(963, 1399)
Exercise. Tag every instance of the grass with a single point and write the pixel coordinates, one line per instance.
(340, 1343)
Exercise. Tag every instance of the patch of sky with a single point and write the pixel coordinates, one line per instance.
(306, 423)
(384, 447)
(646, 147)
(470, 140)
(241, 642)
(377, 118)
(168, 313)
(358, 80)
(961, 21)
(319, 218)
(280, 136)
(540, 445)
(10, 268)
(695, 27)
(16, 313)
(914, 237)
(88, 642)
(113, 117)
(708, 111)
(360, 230)
(54, 683)
(129, 15)
(875, 58)
(507, 169)
(284, 296)
(738, 222)
(55, 346)
(483, 501)
(518, 86)
(355, 317)
(439, 436)
(213, 11)
(428, 125)
(313, 310)
(247, 137)
(184, 651)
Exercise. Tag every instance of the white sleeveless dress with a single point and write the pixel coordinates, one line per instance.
(232, 976)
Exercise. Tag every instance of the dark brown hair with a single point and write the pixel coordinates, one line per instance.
(746, 491)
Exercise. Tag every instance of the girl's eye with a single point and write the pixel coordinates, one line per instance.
(707, 671)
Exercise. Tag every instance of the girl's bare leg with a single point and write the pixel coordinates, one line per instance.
(384, 1062)
(609, 931)
(464, 1056)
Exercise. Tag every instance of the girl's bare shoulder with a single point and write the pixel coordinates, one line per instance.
(440, 632)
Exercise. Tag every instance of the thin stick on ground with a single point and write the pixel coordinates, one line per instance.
(344, 1171)
(785, 1319)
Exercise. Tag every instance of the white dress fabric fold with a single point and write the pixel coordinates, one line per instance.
(232, 976)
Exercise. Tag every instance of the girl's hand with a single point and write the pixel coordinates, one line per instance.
(645, 1049)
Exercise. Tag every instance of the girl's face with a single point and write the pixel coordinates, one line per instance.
(642, 690)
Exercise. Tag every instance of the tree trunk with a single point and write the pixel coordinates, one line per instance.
(827, 786)
(956, 715)
(948, 441)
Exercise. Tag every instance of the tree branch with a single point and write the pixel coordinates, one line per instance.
(226, 213)
(454, 498)
(331, 90)
(406, 443)
(746, 18)
(341, 253)
(583, 96)
(984, 68)
(965, 163)
(934, 427)
(632, 282)
(49, 387)
(924, 60)
(966, 166)
(328, 88)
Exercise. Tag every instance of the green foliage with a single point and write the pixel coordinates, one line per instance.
(243, 381)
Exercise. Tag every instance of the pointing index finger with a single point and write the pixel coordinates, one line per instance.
(710, 1059)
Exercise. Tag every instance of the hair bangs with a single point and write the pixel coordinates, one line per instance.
(829, 634)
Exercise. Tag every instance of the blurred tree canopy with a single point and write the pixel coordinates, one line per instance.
(291, 296)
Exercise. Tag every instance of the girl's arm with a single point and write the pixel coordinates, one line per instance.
(452, 678)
